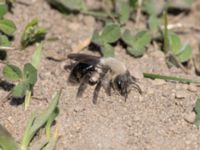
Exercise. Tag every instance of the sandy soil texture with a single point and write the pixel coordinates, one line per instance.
(157, 119)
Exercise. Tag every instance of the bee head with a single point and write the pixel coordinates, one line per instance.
(124, 82)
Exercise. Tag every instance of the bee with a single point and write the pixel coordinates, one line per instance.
(109, 73)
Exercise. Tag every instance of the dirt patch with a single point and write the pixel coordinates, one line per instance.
(154, 120)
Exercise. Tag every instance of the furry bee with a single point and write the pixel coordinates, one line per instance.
(108, 73)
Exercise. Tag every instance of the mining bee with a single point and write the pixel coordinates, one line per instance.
(109, 73)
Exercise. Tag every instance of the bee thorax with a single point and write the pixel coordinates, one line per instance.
(115, 65)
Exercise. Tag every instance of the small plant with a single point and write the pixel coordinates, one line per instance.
(33, 33)
(136, 43)
(7, 142)
(7, 30)
(197, 111)
(34, 124)
(176, 52)
(26, 77)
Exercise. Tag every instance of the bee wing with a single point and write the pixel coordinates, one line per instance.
(84, 58)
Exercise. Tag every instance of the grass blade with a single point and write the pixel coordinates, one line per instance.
(40, 121)
(7, 142)
(169, 78)
(37, 56)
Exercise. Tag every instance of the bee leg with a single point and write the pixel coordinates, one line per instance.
(136, 86)
(108, 89)
(83, 85)
(96, 92)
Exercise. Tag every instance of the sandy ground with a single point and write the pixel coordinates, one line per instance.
(157, 119)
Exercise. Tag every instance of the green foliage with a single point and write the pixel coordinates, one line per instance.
(34, 124)
(4, 40)
(12, 72)
(26, 77)
(150, 7)
(37, 122)
(30, 73)
(154, 24)
(136, 43)
(123, 12)
(109, 34)
(107, 50)
(7, 142)
(197, 111)
(20, 89)
(7, 27)
(73, 5)
(183, 52)
(33, 33)
(37, 56)
(3, 9)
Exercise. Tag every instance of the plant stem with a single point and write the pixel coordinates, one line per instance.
(27, 100)
(169, 78)
(95, 14)
(166, 39)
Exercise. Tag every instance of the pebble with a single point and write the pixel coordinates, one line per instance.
(190, 117)
(181, 94)
(158, 82)
(11, 120)
(192, 88)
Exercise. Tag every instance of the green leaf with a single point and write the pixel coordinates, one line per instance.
(110, 34)
(36, 123)
(182, 52)
(33, 33)
(7, 142)
(136, 43)
(19, 90)
(133, 3)
(30, 73)
(50, 121)
(150, 8)
(12, 72)
(3, 9)
(37, 56)
(73, 5)
(124, 12)
(143, 38)
(128, 38)
(7, 27)
(197, 106)
(154, 24)
(185, 53)
(174, 42)
(137, 52)
(4, 41)
(107, 50)
(197, 111)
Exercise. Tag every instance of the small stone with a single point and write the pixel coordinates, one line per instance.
(158, 82)
(190, 117)
(150, 91)
(79, 109)
(192, 88)
(181, 94)
(11, 120)
(136, 118)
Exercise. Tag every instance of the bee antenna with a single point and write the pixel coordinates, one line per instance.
(136, 86)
